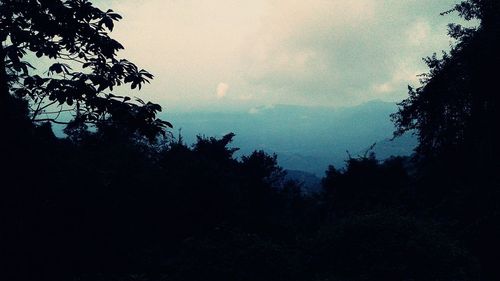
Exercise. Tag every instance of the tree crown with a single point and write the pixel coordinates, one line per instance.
(84, 69)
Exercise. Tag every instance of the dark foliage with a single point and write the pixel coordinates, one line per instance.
(71, 34)
(106, 204)
(97, 209)
(454, 109)
(455, 115)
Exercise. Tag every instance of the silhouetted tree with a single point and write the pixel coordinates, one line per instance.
(99, 205)
(72, 35)
(455, 114)
(264, 167)
(456, 108)
(366, 185)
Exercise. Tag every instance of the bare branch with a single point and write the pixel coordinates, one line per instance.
(51, 120)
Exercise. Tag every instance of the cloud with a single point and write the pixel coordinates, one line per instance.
(222, 89)
(334, 52)
(259, 109)
(419, 32)
(328, 52)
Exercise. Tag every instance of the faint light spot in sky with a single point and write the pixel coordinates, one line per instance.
(222, 89)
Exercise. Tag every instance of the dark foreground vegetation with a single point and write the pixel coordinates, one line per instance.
(121, 199)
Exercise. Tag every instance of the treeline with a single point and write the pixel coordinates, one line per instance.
(101, 206)
(120, 199)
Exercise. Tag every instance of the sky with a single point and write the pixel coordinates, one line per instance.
(239, 54)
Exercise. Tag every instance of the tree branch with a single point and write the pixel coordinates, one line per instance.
(51, 120)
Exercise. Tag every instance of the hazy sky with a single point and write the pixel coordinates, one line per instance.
(228, 54)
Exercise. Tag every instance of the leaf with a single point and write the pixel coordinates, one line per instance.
(128, 79)
(101, 87)
(21, 92)
(155, 107)
(166, 123)
(56, 67)
(108, 22)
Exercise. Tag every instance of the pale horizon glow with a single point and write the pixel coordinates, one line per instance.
(263, 52)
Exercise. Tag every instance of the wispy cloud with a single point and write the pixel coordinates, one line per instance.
(332, 52)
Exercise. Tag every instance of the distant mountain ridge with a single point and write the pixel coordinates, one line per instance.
(305, 138)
